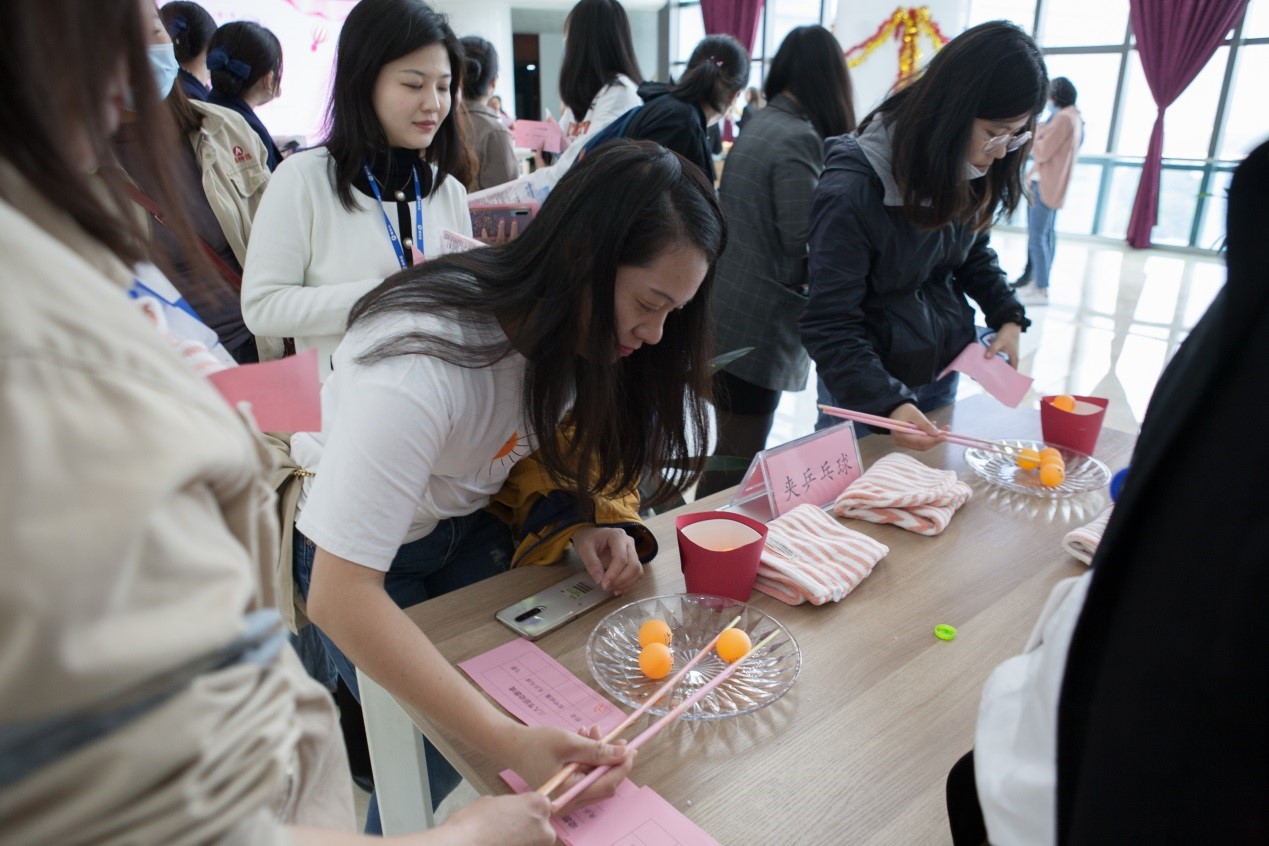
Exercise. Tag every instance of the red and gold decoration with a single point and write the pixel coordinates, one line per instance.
(907, 26)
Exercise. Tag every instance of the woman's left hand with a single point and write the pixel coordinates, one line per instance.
(610, 557)
(1007, 339)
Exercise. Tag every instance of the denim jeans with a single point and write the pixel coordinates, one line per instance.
(1041, 237)
(459, 552)
(928, 397)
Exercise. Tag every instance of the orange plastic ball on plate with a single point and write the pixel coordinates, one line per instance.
(655, 631)
(1028, 459)
(1052, 475)
(1050, 454)
(1066, 402)
(732, 645)
(656, 660)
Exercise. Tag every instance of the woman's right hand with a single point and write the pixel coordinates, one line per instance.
(909, 413)
(539, 752)
(521, 820)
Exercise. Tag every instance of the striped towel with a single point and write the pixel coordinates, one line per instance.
(899, 489)
(1082, 542)
(810, 557)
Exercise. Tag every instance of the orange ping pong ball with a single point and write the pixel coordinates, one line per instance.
(655, 631)
(1050, 454)
(1065, 402)
(656, 660)
(1028, 459)
(732, 645)
(1052, 475)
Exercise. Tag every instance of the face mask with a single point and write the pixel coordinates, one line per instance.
(164, 67)
(971, 172)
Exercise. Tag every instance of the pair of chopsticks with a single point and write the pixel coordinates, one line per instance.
(648, 733)
(909, 428)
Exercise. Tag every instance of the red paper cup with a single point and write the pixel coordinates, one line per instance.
(1077, 430)
(719, 553)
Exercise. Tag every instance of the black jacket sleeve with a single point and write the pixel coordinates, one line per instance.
(980, 277)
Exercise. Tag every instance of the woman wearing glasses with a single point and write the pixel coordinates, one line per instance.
(900, 223)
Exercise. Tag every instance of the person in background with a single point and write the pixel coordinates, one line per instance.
(245, 60)
(147, 694)
(495, 103)
(676, 116)
(374, 198)
(219, 165)
(1057, 143)
(490, 140)
(1111, 728)
(452, 381)
(753, 103)
(900, 227)
(191, 28)
(599, 80)
(771, 173)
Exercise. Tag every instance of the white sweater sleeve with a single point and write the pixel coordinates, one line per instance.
(275, 299)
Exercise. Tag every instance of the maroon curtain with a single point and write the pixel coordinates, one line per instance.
(1175, 39)
(737, 18)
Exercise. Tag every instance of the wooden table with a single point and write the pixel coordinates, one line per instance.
(859, 749)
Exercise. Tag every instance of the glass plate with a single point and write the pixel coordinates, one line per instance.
(613, 656)
(1083, 472)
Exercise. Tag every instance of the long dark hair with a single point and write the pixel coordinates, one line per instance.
(375, 33)
(810, 66)
(59, 105)
(716, 71)
(190, 26)
(624, 204)
(250, 52)
(993, 71)
(1062, 90)
(599, 48)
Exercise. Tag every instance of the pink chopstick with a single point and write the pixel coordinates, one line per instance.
(652, 730)
(898, 426)
(566, 771)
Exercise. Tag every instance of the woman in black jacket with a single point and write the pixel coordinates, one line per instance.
(900, 224)
(677, 116)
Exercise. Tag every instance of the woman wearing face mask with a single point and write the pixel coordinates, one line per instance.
(373, 200)
(900, 223)
(191, 28)
(677, 116)
(221, 176)
(245, 60)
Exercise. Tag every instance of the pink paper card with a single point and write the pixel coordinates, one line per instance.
(538, 690)
(634, 816)
(539, 133)
(813, 469)
(995, 374)
(285, 395)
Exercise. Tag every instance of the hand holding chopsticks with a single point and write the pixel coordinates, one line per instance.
(660, 724)
(909, 428)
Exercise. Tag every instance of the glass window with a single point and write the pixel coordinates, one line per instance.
(1094, 76)
(1074, 23)
(1178, 201)
(1212, 232)
(1119, 199)
(1188, 127)
(1256, 23)
(691, 31)
(1246, 126)
(1076, 214)
(784, 15)
(1021, 12)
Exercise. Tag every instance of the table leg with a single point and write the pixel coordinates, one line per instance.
(396, 758)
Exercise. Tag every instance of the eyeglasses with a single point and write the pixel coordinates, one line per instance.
(1008, 142)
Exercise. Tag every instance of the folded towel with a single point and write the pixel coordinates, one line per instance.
(899, 489)
(810, 557)
(1082, 542)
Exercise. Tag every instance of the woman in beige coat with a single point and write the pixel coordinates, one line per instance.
(147, 694)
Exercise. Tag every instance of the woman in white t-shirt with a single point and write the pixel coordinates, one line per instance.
(452, 371)
(599, 79)
(337, 219)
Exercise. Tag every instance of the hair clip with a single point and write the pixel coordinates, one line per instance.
(218, 58)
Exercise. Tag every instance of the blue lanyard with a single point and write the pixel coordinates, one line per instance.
(418, 215)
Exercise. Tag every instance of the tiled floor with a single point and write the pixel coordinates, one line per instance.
(1115, 318)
